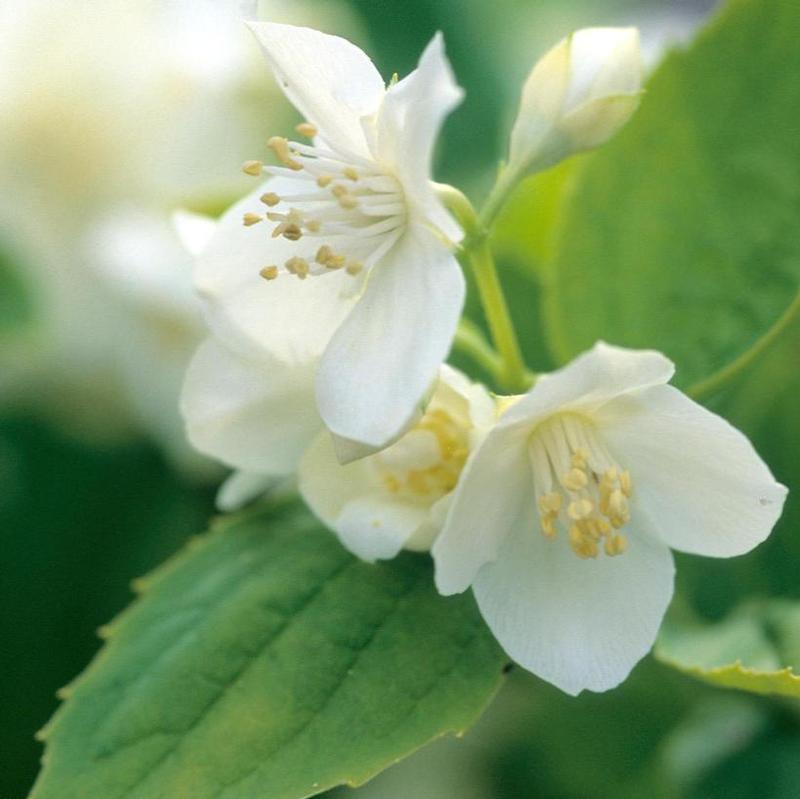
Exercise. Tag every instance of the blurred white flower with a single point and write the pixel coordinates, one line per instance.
(106, 107)
(353, 212)
(577, 97)
(565, 515)
(398, 497)
(144, 264)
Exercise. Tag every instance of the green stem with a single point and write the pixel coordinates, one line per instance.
(719, 380)
(475, 251)
(471, 341)
(478, 254)
(496, 199)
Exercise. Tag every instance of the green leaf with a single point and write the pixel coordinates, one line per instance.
(755, 649)
(682, 233)
(16, 305)
(68, 556)
(265, 661)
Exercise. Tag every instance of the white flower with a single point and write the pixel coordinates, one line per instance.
(565, 515)
(398, 497)
(577, 97)
(356, 203)
(248, 401)
(144, 265)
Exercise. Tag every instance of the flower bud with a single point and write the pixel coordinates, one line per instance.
(576, 98)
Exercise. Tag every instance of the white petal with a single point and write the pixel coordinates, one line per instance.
(409, 122)
(698, 480)
(494, 491)
(386, 354)
(579, 624)
(589, 381)
(374, 527)
(194, 230)
(349, 499)
(328, 79)
(241, 488)
(288, 318)
(603, 62)
(252, 415)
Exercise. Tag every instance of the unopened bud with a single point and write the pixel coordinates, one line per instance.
(576, 98)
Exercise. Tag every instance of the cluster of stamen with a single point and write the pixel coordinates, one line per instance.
(345, 214)
(579, 487)
(427, 462)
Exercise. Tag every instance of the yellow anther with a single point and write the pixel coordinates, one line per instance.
(270, 198)
(324, 254)
(269, 272)
(335, 262)
(280, 147)
(306, 129)
(625, 483)
(339, 191)
(252, 168)
(548, 526)
(550, 503)
(251, 219)
(354, 267)
(313, 225)
(579, 458)
(324, 180)
(615, 545)
(575, 479)
(292, 232)
(588, 549)
(610, 475)
(350, 172)
(297, 266)
(580, 508)
(348, 201)
(617, 503)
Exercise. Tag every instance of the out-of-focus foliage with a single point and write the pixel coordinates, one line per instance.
(274, 662)
(681, 234)
(77, 521)
(757, 648)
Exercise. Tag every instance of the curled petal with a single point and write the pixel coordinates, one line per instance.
(408, 123)
(328, 79)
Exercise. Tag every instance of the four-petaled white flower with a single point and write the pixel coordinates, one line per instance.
(399, 497)
(564, 516)
(356, 206)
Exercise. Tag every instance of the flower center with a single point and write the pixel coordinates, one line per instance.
(579, 486)
(344, 213)
(425, 464)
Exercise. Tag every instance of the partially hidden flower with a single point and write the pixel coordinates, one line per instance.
(577, 97)
(355, 204)
(565, 515)
(141, 272)
(398, 498)
(248, 400)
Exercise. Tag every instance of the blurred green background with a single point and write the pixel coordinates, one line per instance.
(113, 116)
